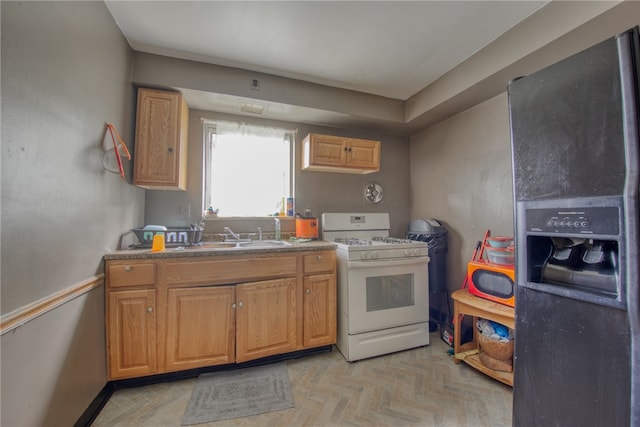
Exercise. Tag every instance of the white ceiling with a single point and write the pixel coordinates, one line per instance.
(388, 48)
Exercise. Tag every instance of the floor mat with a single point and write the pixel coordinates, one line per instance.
(239, 393)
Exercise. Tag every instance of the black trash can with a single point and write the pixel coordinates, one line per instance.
(432, 232)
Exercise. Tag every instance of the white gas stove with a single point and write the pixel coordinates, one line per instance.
(366, 236)
(383, 290)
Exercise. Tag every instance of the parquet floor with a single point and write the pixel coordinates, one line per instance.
(418, 387)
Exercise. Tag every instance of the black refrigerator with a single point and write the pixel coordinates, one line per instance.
(575, 150)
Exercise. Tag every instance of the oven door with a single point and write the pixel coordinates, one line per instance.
(387, 293)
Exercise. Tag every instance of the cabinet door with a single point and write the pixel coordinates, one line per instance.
(327, 153)
(131, 333)
(161, 140)
(363, 154)
(200, 327)
(327, 150)
(319, 310)
(265, 318)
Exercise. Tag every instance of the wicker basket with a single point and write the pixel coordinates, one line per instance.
(499, 350)
(495, 364)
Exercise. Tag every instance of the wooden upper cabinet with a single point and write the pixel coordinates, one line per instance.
(160, 161)
(328, 153)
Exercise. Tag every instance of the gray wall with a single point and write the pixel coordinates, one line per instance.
(319, 191)
(65, 72)
(461, 166)
(461, 175)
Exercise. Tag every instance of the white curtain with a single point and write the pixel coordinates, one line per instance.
(250, 172)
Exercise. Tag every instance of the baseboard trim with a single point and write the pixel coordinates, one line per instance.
(91, 413)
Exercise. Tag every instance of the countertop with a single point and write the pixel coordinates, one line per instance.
(205, 251)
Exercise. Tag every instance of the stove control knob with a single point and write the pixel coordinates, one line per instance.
(410, 252)
(363, 255)
(374, 255)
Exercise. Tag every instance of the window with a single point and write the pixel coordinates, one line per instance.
(248, 169)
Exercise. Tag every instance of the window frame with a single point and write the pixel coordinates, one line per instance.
(209, 132)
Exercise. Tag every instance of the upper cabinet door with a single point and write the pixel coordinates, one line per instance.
(364, 154)
(326, 153)
(325, 150)
(160, 161)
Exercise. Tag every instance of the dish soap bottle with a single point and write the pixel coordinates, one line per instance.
(277, 220)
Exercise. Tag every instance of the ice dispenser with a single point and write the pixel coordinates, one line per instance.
(574, 253)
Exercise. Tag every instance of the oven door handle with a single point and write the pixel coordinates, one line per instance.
(388, 262)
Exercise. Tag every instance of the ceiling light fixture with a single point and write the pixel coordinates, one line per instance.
(252, 108)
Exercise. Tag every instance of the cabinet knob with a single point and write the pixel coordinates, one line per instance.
(233, 305)
(318, 257)
(127, 268)
(170, 149)
(307, 291)
(240, 304)
(149, 309)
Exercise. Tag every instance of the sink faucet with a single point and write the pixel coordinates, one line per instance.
(259, 233)
(277, 220)
(230, 231)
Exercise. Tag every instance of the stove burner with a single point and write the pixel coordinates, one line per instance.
(352, 241)
(391, 240)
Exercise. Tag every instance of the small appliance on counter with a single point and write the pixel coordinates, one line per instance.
(306, 226)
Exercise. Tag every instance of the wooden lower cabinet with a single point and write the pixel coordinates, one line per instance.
(175, 314)
(200, 327)
(319, 310)
(131, 333)
(265, 318)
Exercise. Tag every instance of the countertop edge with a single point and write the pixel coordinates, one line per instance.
(317, 245)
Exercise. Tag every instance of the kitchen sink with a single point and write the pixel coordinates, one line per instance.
(255, 244)
(212, 245)
(248, 244)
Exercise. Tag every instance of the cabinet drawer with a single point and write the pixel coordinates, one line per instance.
(319, 262)
(132, 274)
(230, 270)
